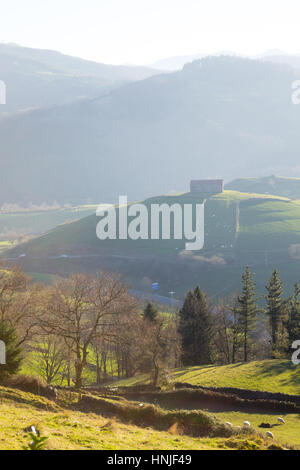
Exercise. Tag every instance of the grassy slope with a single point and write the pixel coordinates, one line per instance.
(270, 375)
(274, 375)
(220, 227)
(72, 430)
(267, 226)
(82, 233)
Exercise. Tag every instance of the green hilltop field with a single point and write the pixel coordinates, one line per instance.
(260, 230)
(240, 228)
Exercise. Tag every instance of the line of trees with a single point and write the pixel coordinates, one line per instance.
(89, 328)
(245, 327)
(83, 325)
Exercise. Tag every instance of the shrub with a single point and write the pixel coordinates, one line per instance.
(37, 442)
(204, 397)
(32, 385)
(195, 423)
(13, 351)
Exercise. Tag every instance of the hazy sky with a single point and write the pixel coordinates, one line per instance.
(143, 31)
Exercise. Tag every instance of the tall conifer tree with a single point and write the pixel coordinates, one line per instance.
(195, 328)
(150, 312)
(247, 310)
(276, 311)
(293, 325)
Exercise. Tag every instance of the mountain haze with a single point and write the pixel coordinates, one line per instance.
(218, 117)
(37, 78)
(171, 64)
(276, 56)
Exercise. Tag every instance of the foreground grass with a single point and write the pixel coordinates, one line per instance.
(271, 375)
(74, 430)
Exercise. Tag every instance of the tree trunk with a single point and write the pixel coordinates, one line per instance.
(69, 373)
(78, 375)
(98, 369)
(245, 347)
(155, 377)
(80, 364)
(233, 351)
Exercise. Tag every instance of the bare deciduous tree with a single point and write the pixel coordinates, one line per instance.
(18, 301)
(51, 359)
(78, 307)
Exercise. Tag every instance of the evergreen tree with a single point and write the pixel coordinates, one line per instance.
(247, 310)
(13, 351)
(293, 325)
(151, 313)
(276, 310)
(195, 328)
(187, 321)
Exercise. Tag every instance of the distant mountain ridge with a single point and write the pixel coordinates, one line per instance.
(37, 78)
(276, 56)
(172, 64)
(75, 65)
(218, 117)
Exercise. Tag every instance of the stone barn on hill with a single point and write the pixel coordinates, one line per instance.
(207, 186)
